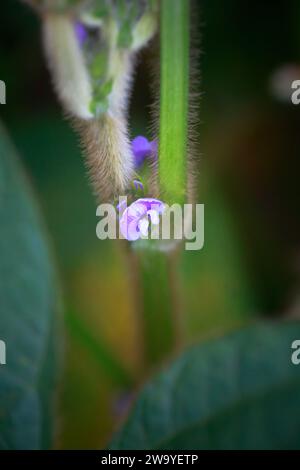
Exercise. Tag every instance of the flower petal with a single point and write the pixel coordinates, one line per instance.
(141, 149)
(144, 226)
(154, 216)
(151, 204)
(129, 227)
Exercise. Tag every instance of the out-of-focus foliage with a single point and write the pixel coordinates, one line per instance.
(28, 306)
(239, 392)
(249, 165)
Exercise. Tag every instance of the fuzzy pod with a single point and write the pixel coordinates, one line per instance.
(104, 136)
(108, 153)
(67, 65)
(105, 140)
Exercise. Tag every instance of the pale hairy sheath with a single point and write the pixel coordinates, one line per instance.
(108, 155)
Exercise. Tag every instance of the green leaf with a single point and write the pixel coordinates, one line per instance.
(28, 303)
(125, 34)
(98, 65)
(100, 10)
(239, 392)
(100, 104)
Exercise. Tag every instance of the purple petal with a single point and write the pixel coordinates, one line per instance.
(154, 217)
(129, 226)
(81, 32)
(131, 217)
(151, 204)
(144, 226)
(137, 209)
(121, 206)
(138, 185)
(141, 149)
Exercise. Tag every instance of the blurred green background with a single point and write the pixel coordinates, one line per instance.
(249, 138)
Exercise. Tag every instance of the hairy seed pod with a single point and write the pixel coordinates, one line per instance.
(108, 155)
(66, 62)
(100, 119)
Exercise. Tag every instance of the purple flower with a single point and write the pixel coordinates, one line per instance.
(80, 32)
(121, 206)
(136, 219)
(143, 148)
(138, 185)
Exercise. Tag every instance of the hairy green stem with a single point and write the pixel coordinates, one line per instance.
(157, 283)
(159, 323)
(174, 99)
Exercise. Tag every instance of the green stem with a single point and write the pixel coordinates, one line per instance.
(174, 99)
(158, 306)
(157, 289)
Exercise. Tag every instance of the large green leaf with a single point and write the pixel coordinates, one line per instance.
(239, 392)
(28, 304)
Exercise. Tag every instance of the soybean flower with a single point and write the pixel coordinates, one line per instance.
(142, 148)
(136, 220)
(81, 32)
